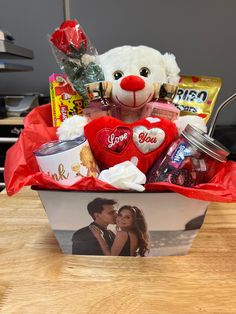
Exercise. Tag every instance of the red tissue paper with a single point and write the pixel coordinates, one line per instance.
(21, 168)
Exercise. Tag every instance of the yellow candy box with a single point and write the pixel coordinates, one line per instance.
(65, 101)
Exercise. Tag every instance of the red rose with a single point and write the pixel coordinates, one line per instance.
(69, 33)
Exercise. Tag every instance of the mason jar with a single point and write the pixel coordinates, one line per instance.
(194, 158)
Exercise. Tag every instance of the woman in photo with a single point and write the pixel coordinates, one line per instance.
(131, 238)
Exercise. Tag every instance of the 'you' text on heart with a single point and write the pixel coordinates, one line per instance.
(145, 138)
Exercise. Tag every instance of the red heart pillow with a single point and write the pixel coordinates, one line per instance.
(113, 141)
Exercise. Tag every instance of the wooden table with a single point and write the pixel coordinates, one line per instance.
(36, 278)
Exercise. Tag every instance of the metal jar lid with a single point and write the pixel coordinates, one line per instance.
(168, 92)
(99, 90)
(205, 143)
(55, 147)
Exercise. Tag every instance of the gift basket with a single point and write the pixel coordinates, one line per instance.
(121, 158)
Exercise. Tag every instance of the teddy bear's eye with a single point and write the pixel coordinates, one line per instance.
(144, 72)
(117, 75)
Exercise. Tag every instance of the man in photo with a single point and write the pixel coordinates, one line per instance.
(131, 237)
(103, 213)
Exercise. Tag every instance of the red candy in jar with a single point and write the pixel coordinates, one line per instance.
(194, 158)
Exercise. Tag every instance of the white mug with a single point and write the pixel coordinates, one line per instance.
(68, 161)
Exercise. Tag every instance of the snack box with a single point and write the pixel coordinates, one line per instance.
(65, 101)
(173, 220)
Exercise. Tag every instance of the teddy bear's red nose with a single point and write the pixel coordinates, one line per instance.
(132, 83)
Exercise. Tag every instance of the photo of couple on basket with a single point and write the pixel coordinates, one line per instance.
(131, 237)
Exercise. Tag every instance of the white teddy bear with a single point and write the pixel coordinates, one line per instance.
(133, 72)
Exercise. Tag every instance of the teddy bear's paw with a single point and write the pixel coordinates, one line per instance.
(196, 121)
(71, 128)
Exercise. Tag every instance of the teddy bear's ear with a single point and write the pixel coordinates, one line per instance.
(172, 69)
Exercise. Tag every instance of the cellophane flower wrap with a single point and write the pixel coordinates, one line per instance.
(76, 56)
(21, 168)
